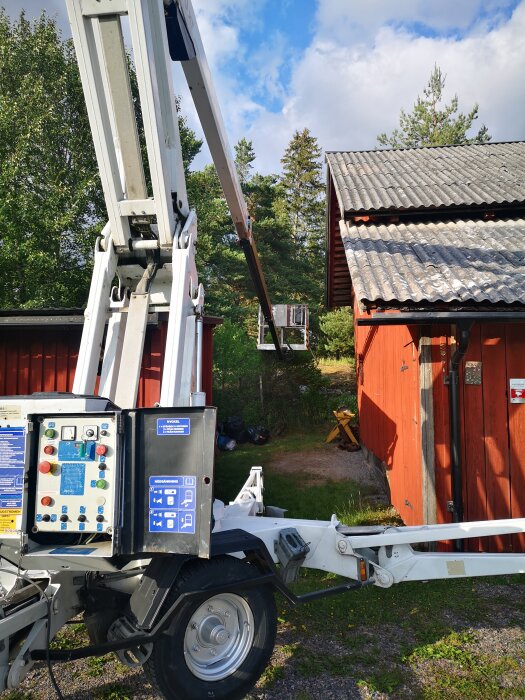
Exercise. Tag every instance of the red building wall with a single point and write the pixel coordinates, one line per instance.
(44, 358)
(493, 430)
(387, 368)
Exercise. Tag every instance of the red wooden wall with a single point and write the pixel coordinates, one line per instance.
(44, 358)
(387, 368)
(493, 430)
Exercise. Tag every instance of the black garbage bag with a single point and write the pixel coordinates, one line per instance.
(234, 428)
(258, 435)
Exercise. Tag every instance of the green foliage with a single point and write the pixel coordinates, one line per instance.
(50, 197)
(190, 144)
(384, 681)
(451, 648)
(302, 188)
(428, 125)
(237, 371)
(337, 333)
(97, 665)
(244, 157)
(114, 692)
(261, 388)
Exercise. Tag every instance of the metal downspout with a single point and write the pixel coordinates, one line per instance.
(463, 337)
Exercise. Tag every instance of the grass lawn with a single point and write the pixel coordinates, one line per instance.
(460, 639)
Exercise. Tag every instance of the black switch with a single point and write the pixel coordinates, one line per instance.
(82, 518)
(64, 518)
(46, 518)
(100, 518)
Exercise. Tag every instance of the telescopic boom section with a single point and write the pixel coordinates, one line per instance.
(185, 45)
(149, 242)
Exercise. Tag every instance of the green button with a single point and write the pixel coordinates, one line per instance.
(101, 484)
(50, 433)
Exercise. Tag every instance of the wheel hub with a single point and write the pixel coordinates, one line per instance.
(212, 631)
(218, 637)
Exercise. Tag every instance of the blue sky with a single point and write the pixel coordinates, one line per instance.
(345, 68)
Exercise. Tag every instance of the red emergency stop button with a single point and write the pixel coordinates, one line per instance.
(46, 501)
(49, 450)
(44, 467)
(101, 449)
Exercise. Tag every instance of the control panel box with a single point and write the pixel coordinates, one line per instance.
(169, 468)
(77, 469)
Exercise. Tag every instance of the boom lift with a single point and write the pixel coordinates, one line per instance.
(106, 509)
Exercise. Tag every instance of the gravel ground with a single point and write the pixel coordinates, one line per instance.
(328, 464)
(288, 679)
(320, 666)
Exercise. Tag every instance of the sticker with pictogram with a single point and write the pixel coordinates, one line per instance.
(517, 390)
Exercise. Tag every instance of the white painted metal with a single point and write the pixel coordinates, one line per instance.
(148, 32)
(332, 550)
(119, 88)
(437, 533)
(252, 491)
(132, 350)
(180, 340)
(87, 47)
(112, 354)
(104, 269)
(288, 318)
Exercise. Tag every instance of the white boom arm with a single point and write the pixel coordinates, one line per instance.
(149, 242)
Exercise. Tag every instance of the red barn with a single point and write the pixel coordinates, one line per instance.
(428, 247)
(39, 352)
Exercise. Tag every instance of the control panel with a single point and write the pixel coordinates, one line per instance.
(76, 474)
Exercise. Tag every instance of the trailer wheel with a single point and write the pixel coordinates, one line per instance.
(216, 648)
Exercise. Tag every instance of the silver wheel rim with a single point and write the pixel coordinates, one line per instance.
(218, 637)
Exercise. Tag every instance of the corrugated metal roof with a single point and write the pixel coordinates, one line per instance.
(454, 261)
(429, 178)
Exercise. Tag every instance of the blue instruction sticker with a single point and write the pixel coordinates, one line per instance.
(172, 504)
(173, 426)
(72, 477)
(12, 459)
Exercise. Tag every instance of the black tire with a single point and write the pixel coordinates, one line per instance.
(197, 630)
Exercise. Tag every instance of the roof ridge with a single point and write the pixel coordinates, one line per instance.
(427, 148)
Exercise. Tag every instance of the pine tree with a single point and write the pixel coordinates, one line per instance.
(190, 144)
(428, 125)
(244, 157)
(302, 189)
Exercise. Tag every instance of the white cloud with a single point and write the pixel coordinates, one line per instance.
(360, 20)
(346, 93)
(364, 63)
(33, 9)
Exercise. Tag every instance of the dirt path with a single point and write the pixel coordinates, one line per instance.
(328, 464)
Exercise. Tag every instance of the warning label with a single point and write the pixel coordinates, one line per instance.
(10, 411)
(517, 390)
(8, 520)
